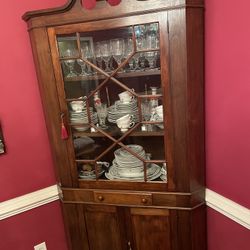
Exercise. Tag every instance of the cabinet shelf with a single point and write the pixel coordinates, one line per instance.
(118, 75)
(115, 131)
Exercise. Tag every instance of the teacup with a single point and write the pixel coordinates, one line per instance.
(126, 96)
(77, 106)
(125, 122)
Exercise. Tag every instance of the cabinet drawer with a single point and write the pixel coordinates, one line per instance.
(123, 198)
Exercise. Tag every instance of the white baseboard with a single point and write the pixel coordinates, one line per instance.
(229, 208)
(44, 196)
(28, 201)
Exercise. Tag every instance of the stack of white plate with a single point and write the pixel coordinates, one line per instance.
(81, 117)
(164, 172)
(120, 109)
(129, 167)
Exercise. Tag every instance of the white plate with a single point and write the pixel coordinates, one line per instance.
(114, 176)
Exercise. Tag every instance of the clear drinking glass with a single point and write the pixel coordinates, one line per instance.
(106, 55)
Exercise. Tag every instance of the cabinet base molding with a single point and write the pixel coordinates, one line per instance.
(26, 202)
(183, 201)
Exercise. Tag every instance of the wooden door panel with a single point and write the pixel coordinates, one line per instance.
(102, 223)
(151, 229)
(76, 231)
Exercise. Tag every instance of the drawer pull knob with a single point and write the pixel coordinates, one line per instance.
(100, 198)
(144, 200)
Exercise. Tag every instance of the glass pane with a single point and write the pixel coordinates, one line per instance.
(113, 89)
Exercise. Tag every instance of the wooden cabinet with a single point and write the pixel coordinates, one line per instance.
(122, 91)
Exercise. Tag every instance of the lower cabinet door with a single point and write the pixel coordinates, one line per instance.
(103, 226)
(151, 229)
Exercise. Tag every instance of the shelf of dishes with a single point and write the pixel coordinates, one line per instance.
(135, 165)
(124, 113)
(118, 75)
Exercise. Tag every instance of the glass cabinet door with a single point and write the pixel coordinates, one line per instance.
(113, 93)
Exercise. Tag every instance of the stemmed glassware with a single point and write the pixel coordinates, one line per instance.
(152, 42)
(98, 54)
(82, 65)
(129, 49)
(106, 55)
(88, 54)
(102, 113)
(70, 63)
(151, 56)
(117, 49)
(140, 33)
(140, 37)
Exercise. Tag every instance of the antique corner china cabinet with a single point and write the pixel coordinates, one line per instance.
(122, 92)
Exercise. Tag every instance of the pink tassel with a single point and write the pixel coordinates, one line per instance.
(64, 132)
(89, 4)
(114, 2)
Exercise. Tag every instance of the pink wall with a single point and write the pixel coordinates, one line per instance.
(223, 234)
(227, 114)
(227, 98)
(26, 230)
(28, 165)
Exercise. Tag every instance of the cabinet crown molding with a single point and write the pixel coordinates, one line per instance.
(125, 5)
